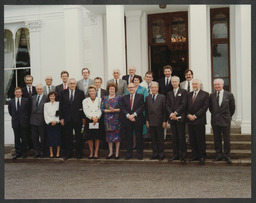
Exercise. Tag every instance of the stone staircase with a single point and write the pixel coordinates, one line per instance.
(240, 151)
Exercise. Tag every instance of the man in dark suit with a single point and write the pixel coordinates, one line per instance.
(156, 120)
(37, 121)
(72, 117)
(19, 110)
(48, 85)
(101, 93)
(129, 78)
(132, 107)
(176, 104)
(165, 85)
(59, 88)
(198, 103)
(222, 108)
(29, 90)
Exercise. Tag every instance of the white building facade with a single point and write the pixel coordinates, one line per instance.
(106, 37)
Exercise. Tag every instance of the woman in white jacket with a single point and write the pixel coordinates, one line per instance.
(51, 117)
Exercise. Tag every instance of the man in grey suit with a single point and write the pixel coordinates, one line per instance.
(156, 120)
(48, 85)
(84, 83)
(222, 108)
(121, 84)
(187, 84)
(37, 121)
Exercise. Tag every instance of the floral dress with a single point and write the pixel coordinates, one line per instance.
(111, 120)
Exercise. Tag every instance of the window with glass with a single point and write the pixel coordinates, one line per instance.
(220, 45)
(16, 60)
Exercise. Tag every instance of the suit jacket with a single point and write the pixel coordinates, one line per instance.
(126, 78)
(138, 107)
(26, 94)
(80, 85)
(199, 107)
(155, 112)
(162, 88)
(221, 116)
(52, 89)
(22, 116)
(37, 113)
(178, 104)
(71, 112)
(122, 86)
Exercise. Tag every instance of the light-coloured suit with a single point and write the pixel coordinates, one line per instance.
(51, 89)
(80, 85)
(122, 86)
(184, 86)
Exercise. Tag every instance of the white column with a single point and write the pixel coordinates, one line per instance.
(133, 36)
(35, 50)
(73, 30)
(115, 39)
(243, 65)
(199, 48)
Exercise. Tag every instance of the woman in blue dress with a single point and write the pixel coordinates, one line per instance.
(139, 90)
(110, 105)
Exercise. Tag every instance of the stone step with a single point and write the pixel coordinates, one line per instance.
(210, 153)
(233, 137)
(146, 159)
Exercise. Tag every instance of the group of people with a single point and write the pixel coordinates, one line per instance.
(129, 108)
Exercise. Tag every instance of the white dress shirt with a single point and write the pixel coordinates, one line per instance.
(40, 97)
(92, 109)
(175, 91)
(73, 94)
(220, 96)
(50, 112)
(145, 84)
(169, 80)
(186, 85)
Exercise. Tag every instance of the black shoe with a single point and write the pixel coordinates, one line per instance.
(202, 161)
(58, 156)
(153, 157)
(140, 158)
(95, 157)
(15, 157)
(117, 157)
(218, 159)
(67, 157)
(79, 157)
(36, 156)
(183, 161)
(194, 159)
(51, 157)
(90, 157)
(24, 156)
(228, 160)
(109, 157)
(42, 155)
(161, 158)
(128, 157)
(173, 158)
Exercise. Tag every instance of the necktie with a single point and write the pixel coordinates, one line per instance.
(49, 89)
(174, 93)
(130, 78)
(116, 83)
(167, 82)
(153, 98)
(131, 101)
(148, 88)
(65, 86)
(29, 92)
(188, 86)
(218, 98)
(71, 97)
(194, 97)
(37, 101)
(18, 105)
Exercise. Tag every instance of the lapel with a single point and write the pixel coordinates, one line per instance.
(224, 97)
(198, 95)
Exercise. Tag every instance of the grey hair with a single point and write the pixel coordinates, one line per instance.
(175, 77)
(117, 69)
(154, 83)
(132, 66)
(200, 82)
(218, 79)
(39, 85)
(71, 79)
(48, 76)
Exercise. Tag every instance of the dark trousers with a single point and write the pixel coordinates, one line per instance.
(157, 135)
(197, 140)
(28, 140)
(68, 132)
(38, 132)
(139, 139)
(218, 132)
(19, 140)
(179, 140)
